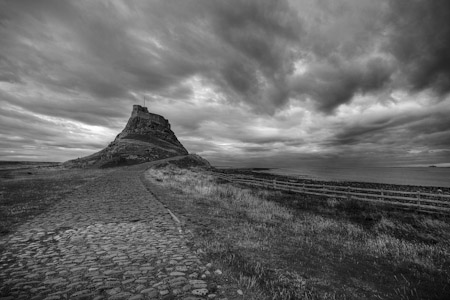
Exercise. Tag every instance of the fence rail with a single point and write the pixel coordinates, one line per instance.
(418, 201)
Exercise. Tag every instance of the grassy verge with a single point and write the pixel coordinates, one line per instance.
(26, 192)
(284, 246)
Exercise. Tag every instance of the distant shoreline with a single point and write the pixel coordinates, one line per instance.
(19, 162)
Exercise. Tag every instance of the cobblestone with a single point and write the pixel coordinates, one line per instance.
(109, 239)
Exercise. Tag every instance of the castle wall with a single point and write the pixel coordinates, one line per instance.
(142, 112)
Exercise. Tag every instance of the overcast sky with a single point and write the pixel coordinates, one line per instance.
(243, 82)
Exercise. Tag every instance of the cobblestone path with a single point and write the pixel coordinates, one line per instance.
(110, 239)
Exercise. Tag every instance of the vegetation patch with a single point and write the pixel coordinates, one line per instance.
(289, 246)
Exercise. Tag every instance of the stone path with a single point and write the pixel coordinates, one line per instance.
(110, 239)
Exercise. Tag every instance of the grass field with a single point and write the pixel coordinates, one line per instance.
(287, 246)
(28, 189)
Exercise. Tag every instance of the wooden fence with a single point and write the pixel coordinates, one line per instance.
(417, 201)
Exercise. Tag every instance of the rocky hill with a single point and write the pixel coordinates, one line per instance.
(146, 137)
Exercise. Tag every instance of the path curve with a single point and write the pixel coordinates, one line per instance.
(109, 239)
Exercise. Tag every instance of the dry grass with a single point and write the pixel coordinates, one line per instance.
(312, 253)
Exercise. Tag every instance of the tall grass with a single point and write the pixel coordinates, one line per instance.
(352, 237)
(228, 196)
(266, 226)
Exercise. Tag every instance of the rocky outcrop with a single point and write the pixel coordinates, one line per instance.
(146, 137)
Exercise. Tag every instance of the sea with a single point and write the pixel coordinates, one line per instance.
(418, 176)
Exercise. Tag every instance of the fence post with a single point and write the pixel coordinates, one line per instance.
(382, 196)
(349, 197)
(274, 184)
(418, 197)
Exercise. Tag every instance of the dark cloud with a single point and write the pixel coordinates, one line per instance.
(256, 77)
(20, 126)
(87, 111)
(257, 41)
(260, 30)
(8, 71)
(335, 82)
(360, 47)
(419, 35)
(408, 131)
(247, 49)
(87, 48)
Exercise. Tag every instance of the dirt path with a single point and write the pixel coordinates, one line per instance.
(110, 239)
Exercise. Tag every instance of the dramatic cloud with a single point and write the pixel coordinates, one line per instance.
(334, 83)
(260, 81)
(418, 36)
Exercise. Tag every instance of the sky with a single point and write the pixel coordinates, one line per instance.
(258, 83)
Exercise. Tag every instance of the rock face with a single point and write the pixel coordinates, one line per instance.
(146, 137)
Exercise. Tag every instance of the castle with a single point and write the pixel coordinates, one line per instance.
(142, 112)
